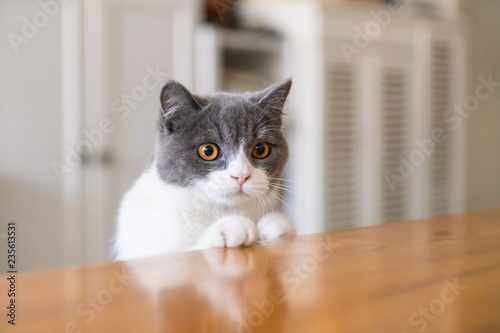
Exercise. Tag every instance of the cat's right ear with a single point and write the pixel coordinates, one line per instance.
(177, 105)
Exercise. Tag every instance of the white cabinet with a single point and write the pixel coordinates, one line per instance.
(369, 135)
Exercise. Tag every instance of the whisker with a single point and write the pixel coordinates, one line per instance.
(270, 202)
(262, 204)
(285, 179)
(291, 185)
(288, 190)
(276, 195)
(281, 184)
(294, 193)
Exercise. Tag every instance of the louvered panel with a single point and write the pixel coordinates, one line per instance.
(440, 160)
(340, 146)
(394, 119)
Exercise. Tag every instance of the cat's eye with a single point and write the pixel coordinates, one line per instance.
(260, 150)
(208, 151)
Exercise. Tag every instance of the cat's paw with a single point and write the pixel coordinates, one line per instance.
(275, 225)
(229, 231)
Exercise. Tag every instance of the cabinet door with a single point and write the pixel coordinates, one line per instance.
(131, 49)
(78, 109)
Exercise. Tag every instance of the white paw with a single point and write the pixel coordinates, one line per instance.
(275, 225)
(229, 231)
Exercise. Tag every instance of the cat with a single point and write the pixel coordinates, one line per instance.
(214, 178)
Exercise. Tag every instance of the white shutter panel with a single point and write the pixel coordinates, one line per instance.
(341, 145)
(394, 132)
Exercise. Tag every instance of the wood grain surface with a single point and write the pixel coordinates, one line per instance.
(434, 275)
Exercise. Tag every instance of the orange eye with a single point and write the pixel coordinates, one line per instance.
(260, 150)
(208, 151)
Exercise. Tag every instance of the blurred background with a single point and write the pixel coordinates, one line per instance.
(394, 112)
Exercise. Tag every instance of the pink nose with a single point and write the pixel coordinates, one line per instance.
(241, 178)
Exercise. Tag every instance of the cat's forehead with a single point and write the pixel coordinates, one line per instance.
(233, 116)
(230, 105)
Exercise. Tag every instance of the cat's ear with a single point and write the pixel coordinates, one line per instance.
(177, 105)
(274, 97)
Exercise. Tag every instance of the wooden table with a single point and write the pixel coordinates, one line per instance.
(434, 275)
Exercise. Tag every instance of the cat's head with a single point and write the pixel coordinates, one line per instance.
(228, 146)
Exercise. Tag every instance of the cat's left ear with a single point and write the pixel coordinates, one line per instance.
(274, 97)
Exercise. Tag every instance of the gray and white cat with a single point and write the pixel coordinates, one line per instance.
(214, 177)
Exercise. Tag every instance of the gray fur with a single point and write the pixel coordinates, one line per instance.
(228, 120)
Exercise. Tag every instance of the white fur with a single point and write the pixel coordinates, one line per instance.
(157, 218)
